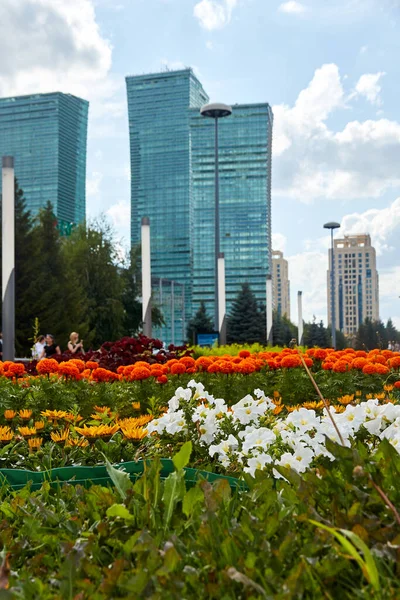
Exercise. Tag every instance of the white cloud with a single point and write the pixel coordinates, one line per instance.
(58, 46)
(363, 49)
(93, 183)
(369, 87)
(214, 14)
(381, 224)
(311, 161)
(292, 7)
(279, 241)
(120, 214)
(209, 45)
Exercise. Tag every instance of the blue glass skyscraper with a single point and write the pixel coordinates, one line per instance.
(158, 106)
(47, 134)
(172, 182)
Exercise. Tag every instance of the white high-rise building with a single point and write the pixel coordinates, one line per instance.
(356, 282)
(280, 283)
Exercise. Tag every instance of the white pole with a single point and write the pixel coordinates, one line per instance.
(221, 299)
(8, 259)
(269, 315)
(146, 277)
(300, 316)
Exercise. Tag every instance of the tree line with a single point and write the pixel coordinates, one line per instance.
(74, 283)
(246, 324)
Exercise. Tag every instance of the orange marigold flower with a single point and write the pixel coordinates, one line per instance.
(27, 431)
(178, 368)
(320, 354)
(327, 366)
(341, 366)
(91, 364)
(162, 379)
(97, 431)
(25, 414)
(35, 443)
(101, 374)
(86, 374)
(394, 362)
(143, 364)
(68, 370)
(47, 366)
(9, 414)
(188, 361)
(59, 436)
(246, 367)
(79, 364)
(203, 362)
(290, 362)
(16, 369)
(369, 368)
(156, 371)
(359, 363)
(244, 354)
(381, 369)
(139, 373)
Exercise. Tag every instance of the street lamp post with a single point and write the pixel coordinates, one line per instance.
(216, 111)
(332, 225)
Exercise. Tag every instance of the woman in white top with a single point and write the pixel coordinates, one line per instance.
(38, 347)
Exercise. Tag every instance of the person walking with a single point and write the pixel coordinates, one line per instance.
(74, 345)
(51, 348)
(38, 347)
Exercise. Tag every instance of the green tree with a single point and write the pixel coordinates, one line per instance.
(283, 330)
(200, 323)
(392, 334)
(92, 259)
(246, 322)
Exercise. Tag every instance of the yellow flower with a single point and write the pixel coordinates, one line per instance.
(278, 409)
(9, 414)
(59, 436)
(388, 388)
(292, 408)
(340, 408)
(380, 396)
(102, 409)
(6, 434)
(136, 405)
(35, 443)
(54, 415)
(27, 431)
(135, 421)
(39, 425)
(358, 393)
(346, 399)
(71, 418)
(97, 431)
(134, 433)
(25, 414)
(75, 442)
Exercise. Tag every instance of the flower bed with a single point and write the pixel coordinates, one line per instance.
(316, 516)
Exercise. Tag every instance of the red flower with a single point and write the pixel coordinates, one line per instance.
(341, 366)
(140, 373)
(320, 354)
(15, 370)
(68, 370)
(244, 354)
(188, 361)
(369, 369)
(162, 379)
(397, 384)
(104, 375)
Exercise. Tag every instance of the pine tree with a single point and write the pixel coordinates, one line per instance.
(200, 323)
(246, 322)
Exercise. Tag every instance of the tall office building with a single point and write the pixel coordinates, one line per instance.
(172, 182)
(356, 282)
(280, 284)
(46, 134)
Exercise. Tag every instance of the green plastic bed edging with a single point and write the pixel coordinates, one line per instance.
(86, 476)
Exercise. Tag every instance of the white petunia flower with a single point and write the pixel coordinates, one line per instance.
(257, 463)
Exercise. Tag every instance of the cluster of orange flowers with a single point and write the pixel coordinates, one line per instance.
(374, 362)
(61, 427)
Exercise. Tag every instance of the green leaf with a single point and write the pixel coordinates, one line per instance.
(119, 510)
(368, 565)
(181, 458)
(174, 490)
(120, 479)
(192, 498)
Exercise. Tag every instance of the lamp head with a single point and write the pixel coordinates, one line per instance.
(216, 110)
(332, 225)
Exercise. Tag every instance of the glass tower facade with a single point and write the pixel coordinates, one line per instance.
(47, 134)
(161, 184)
(172, 182)
(245, 140)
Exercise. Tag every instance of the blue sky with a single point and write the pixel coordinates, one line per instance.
(329, 68)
